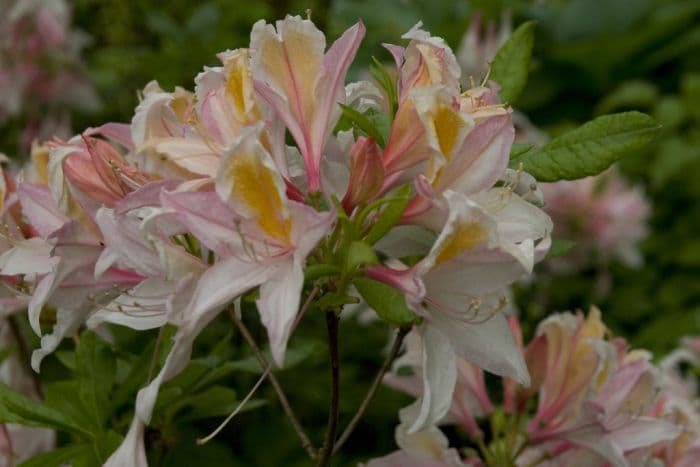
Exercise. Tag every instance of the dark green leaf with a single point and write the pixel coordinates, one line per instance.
(59, 457)
(389, 303)
(512, 62)
(293, 357)
(216, 401)
(67, 358)
(106, 444)
(135, 378)
(589, 149)
(15, 407)
(62, 397)
(96, 367)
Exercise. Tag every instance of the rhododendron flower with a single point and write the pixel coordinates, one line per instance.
(262, 239)
(598, 403)
(477, 49)
(606, 216)
(428, 448)
(200, 202)
(301, 83)
(41, 75)
(456, 289)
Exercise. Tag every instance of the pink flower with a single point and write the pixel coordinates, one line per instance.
(42, 75)
(597, 402)
(301, 83)
(603, 214)
(477, 50)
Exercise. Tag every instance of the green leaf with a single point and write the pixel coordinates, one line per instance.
(386, 81)
(511, 64)
(61, 397)
(360, 253)
(95, 368)
(518, 150)
(67, 358)
(135, 378)
(315, 271)
(560, 247)
(368, 123)
(389, 216)
(293, 357)
(106, 444)
(216, 401)
(589, 149)
(59, 457)
(15, 407)
(334, 301)
(382, 123)
(389, 303)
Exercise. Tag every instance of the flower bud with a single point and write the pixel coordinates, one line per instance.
(366, 173)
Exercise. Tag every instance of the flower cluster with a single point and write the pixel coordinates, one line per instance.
(41, 77)
(592, 401)
(603, 214)
(200, 201)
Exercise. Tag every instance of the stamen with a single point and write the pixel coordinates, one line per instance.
(470, 315)
(201, 441)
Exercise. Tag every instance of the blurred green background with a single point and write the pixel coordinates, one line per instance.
(591, 57)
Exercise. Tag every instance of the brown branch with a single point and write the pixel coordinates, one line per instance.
(305, 441)
(395, 348)
(326, 452)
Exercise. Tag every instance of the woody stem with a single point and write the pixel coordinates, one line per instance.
(305, 441)
(395, 348)
(326, 452)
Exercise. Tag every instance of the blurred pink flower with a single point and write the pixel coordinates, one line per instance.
(603, 214)
(42, 78)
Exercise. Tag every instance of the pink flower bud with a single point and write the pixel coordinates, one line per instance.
(366, 173)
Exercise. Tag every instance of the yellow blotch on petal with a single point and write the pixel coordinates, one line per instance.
(292, 60)
(239, 88)
(182, 104)
(448, 125)
(591, 328)
(254, 185)
(40, 163)
(465, 238)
